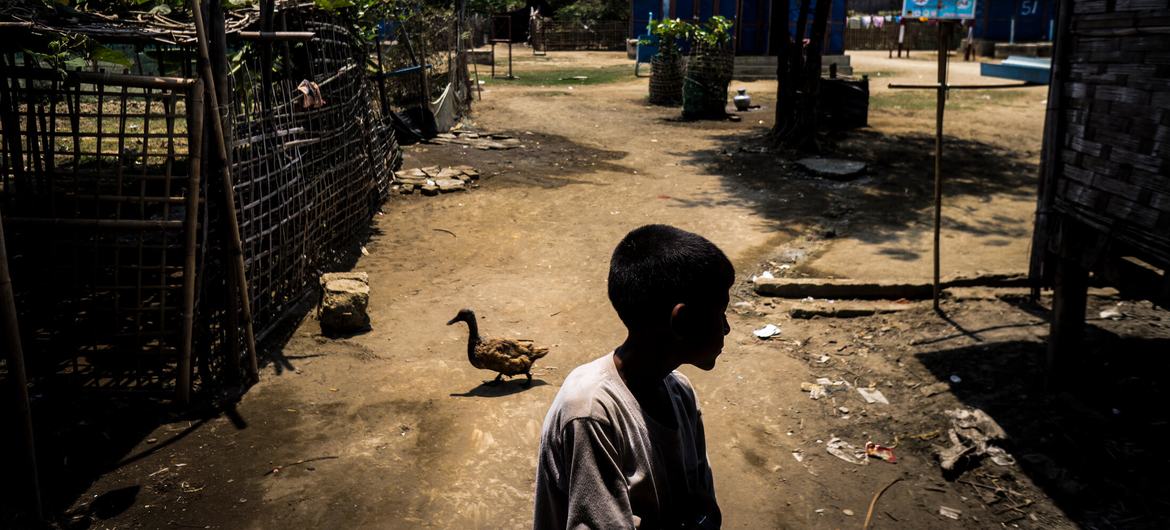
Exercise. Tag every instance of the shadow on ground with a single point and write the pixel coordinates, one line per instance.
(1098, 448)
(546, 161)
(895, 193)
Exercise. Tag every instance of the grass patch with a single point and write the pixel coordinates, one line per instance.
(907, 99)
(564, 77)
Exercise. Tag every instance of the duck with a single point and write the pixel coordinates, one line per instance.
(507, 357)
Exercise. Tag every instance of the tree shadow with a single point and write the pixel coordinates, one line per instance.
(895, 195)
(506, 388)
(1097, 449)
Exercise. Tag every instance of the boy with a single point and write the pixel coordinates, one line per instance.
(623, 445)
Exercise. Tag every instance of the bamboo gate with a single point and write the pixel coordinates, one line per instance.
(113, 194)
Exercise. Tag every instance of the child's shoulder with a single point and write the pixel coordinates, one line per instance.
(589, 391)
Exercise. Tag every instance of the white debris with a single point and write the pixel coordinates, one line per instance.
(767, 331)
(872, 395)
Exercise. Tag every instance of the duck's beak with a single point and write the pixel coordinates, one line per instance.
(452, 321)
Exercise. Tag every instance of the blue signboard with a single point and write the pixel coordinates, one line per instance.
(939, 9)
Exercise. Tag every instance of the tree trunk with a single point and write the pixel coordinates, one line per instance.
(801, 131)
(781, 45)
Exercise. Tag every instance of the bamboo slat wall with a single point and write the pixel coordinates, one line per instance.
(1112, 168)
(114, 235)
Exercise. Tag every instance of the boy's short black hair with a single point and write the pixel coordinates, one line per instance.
(657, 266)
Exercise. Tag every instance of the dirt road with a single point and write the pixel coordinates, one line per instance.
(393, 428)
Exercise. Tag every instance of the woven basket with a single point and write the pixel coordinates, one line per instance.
(666, 79)
(705, 84)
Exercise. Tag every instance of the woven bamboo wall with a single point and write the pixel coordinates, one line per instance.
(1113, 165)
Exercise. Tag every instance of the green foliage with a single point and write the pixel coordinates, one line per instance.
(589, 11)
(669, 32)
(715, 32)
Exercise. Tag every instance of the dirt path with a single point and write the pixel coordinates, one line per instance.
(392, 428)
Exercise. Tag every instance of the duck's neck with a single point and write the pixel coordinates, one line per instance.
(472, 338)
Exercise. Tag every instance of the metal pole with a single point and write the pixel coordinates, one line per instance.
(16, 374)
(229, 192)
(940, 107)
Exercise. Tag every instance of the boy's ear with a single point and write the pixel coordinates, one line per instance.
(679, 315)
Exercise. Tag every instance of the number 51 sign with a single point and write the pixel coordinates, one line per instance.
(939, 9)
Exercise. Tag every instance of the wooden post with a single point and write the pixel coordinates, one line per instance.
(191, 224)
(940, 108)
(1070, 294)
(19, 379)
(220, 142)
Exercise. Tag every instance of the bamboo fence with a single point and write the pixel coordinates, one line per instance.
(118, 225)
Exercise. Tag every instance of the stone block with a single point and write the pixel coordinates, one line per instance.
(345, 299)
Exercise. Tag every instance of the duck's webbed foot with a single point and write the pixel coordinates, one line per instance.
(527, 383)
(499, 379)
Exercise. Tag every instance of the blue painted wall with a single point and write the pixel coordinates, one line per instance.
(753, 35)
(993, 19)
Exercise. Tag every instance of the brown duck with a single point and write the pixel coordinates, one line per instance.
(506, 356)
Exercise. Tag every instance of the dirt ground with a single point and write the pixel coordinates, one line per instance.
(393, 429)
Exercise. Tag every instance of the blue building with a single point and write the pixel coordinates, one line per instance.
(1015, 20)
(751, 19)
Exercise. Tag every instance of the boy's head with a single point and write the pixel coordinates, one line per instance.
(673, 283)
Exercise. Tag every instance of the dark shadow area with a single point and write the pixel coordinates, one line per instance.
(545, 160)
(506, 388)
(1096, 448)
(893, 196)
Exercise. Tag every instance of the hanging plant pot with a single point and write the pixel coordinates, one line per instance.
(666, 78)
(705, 85)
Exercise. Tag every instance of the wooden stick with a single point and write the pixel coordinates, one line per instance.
(241, 277)
(940, 108)
(277, 36)
(195, 152)
(17, 376)
(873, 503)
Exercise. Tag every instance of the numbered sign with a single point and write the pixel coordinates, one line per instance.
(939, 9)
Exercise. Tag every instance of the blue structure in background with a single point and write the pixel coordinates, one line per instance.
(1034, 20)
(751, 24)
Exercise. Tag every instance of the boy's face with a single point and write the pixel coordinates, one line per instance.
(699, 331)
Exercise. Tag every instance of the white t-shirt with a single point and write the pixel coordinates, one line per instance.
(605, 464)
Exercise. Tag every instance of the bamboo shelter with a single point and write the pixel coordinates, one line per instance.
(122, 239)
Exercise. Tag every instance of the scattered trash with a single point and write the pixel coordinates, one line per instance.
(971, 434)
(956, 379)
(767, 331)
(936, 388)
(1113, 313)
(872, 395)
(798, 455)
(845, 451)
(949, 513)
(766, 275)
(1000, 456)
(823, 359)
(843, 410)
(819, 510)
(880, 451)
(815, 391)
(808, 299)
(847, 512)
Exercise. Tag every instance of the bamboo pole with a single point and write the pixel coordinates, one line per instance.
(195, 135)
(277, 36)
(940, 108)
(17, 376)
(241, 278)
